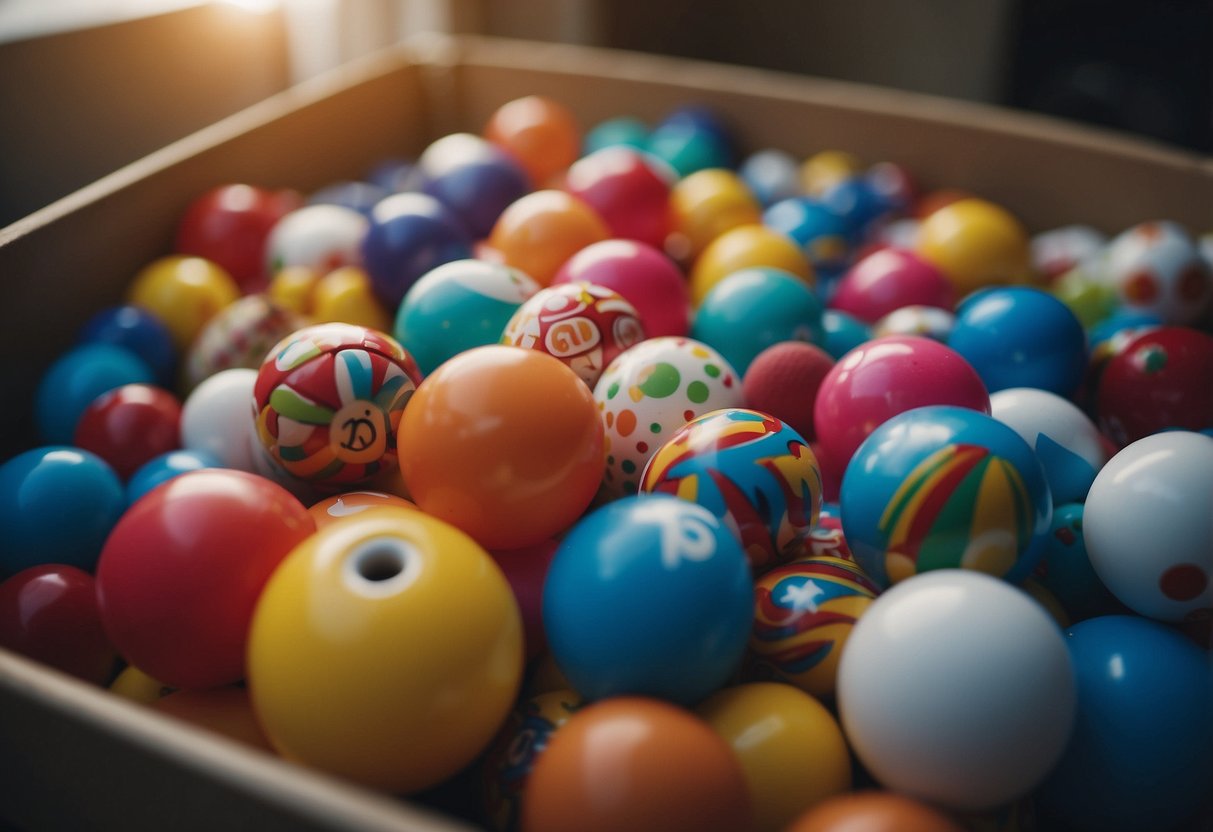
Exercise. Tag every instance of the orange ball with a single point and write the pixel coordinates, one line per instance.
(975, 243)
(636, 764)
(541, 135)
(539, 232)
(227, 711)
(504, 443)
(334, 508)
(873, 812)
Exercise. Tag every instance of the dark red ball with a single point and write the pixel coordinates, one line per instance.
(782, 381)
(526, 569)
(49, 613)
(130, 425)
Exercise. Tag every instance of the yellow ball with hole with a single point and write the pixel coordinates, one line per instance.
(742, 248)
(184, 293)
(976, 243)
(789, 745)
(386, 649)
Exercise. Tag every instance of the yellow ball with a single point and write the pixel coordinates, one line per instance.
(292, 289)
(184, 293)
(387, 649)
(135, 685)
(742, 248)
(790, 747)
(824, 170)
(344, 295)
(975, 243)
(705, 205)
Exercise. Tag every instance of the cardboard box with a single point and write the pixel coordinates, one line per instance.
(73, 757)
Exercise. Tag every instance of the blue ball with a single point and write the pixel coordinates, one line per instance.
(625, 130)
(393, 175)
(357, 196)
(473, 178)
(1141, 755)
(163, 468)
(651, 596)
(459, 306)
(57, 505)
(843, 333)
(139, 331)
(753, 309)
(409, 235)
(820, 233)
(690, 140)
(1016, 336)
(771, 175)
(76, 379)
(707, 121)
(945, 487)
(857, 204)
(1118, 322)
(1066, 570)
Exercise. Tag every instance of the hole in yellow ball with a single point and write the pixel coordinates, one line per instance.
(381, 563)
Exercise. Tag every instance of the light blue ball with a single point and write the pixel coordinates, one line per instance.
(459, 306)
(57, 505)
(76, 379)
(843, 333)
(822, 235)
(649, 596)
(625, 130)
(756, 308)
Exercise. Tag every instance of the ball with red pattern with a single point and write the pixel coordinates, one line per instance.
(1161, 380)
(1156, 267)
(583, 325)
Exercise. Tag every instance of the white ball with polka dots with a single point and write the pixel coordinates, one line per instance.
(1156, 267)
(651, 390)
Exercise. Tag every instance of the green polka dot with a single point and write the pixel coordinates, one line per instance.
(712, 370)
(697, 392)
(662, 381)
(613, 390)
(1155, 360)
(628, 466)
(610, 460)
(655, 427)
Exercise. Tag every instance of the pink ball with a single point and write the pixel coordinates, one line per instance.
(645, 277)
(889, 279)
(526, 569)
(783, 380)
(626, 190)
(882, 378)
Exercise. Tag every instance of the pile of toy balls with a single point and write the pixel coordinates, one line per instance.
(615, 481)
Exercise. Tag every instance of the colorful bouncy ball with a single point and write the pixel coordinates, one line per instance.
(328, 401)
(583, 325)
(1156, 267)
(804, 613)
(945, 488)
(751, 471)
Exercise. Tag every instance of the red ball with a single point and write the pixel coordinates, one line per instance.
(1162, 379)
(229, 226)
(49, 613)
(181, 572)
(645, 277)
(526, 569)
(888, 280)
(130, 425)
(782, 381)
(626, 190)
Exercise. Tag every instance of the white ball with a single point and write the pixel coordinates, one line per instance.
(1148, 525)
(320, 237)
(218, 417)
(957, 688)
(1064, 439)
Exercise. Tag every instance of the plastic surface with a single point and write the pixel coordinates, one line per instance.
(630, 191)
(744, 247)
(240, 335)
(888, 280)
(217, 419)
(410, 234)
(944, 488)
(541, 231)
(75, 379)
(975, 243)
(643, 275)
(705, 205)
(871, 811)
(385, 631)
(184, 293)
(958, 689)
(675, 585)
(130, 425)
(539, 133)
(504, 443)
(186, 564)
(229, 225)
(1156, 267)
(1148, 527)
(317, 237)
(472, 177)
(752, 472)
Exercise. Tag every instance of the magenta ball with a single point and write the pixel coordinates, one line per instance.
(886, 281)
(882, 378)
(627, 189)
(645, 277)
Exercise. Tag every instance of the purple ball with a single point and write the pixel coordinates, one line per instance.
(409, 235)
(473, 178)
